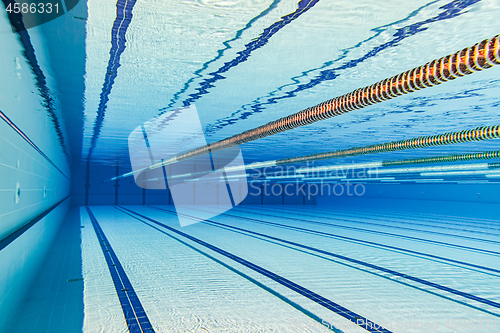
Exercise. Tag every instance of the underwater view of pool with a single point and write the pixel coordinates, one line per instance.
(250, 166)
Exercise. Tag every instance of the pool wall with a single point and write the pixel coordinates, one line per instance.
(35, 168)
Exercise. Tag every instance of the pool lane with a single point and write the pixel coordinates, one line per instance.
(440, 221)
(431, 217)
(490, 236)
(363, 322)
(358, 292)
(375, 297)
(359, 262)
(481, 282)
(438, 240)
(183, 289)
(135, 316)
(358, 240)
(442, 247)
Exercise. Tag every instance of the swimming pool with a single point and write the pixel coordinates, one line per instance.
(250, 166)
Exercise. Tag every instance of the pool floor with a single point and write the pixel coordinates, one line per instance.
(268, 269)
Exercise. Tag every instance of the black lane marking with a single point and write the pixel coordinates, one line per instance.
(118, 31)
(266, 288)
(145, 135)
(359, 262)
(220, 54)
(28, 140)
(415, 215)
(228, 187)
(495, 253)
(328, 73)
(352, 216)
(117, 182)
(122, 21)
(332, 306)
(377, 224)
(373, 244)
(377, 274)
(137, 320)
(431, 218)
(302, 7)
(405, 283)
(366, 243)
(13, 236)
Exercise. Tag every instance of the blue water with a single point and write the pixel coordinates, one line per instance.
(110, 87)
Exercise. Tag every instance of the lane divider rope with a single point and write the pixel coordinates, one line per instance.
(480, 56)
(450, 158)
(475, 134)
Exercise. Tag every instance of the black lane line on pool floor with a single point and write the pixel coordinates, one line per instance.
(439, 221)
(332, 306)
(137, 320)
(368, 243)
(395, 216)
(393, 224)
(365, 264)
(371, 244)
(245, 276)
(389, 234)
(417, 215)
